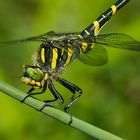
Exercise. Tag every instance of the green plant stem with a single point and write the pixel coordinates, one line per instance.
(57, 114)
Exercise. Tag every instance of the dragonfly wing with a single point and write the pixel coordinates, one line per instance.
(118, 40)
(39, 38)
(44, 37)
(95, 57)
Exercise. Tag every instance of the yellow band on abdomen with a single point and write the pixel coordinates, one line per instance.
(96, 29)
(113, 7)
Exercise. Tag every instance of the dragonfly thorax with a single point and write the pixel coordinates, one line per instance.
(55, 55)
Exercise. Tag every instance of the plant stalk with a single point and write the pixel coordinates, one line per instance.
(58, 114)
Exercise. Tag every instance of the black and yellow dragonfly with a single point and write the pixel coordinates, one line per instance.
(57, 51)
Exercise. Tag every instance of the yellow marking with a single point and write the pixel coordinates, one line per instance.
(80, 37)
(46, 76)
(54, 59)
(25, 80)
(70, 53)
(87, 32)
(43, 55)
(96, 29)
(62, 51)
(37, 87)
(38, 84)
(114, 8)
(84, 46)
(32, 82)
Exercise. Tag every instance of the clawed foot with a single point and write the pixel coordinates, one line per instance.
(67, 110)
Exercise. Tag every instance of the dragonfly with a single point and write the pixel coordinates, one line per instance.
(58, 50)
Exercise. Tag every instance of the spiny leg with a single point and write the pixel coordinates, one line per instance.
(58, 99)
(73, 88)
(32, 89)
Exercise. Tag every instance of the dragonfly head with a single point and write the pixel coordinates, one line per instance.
(32, 76)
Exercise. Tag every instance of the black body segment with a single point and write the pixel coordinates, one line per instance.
(93, 29)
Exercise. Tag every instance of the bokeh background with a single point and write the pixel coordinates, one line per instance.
(111, 93)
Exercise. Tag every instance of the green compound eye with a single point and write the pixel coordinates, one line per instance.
(33, 73)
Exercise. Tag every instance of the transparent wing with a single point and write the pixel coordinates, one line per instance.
(40, 38)
(118, 40)
(58, 37)
(44, 37)
(97, 56)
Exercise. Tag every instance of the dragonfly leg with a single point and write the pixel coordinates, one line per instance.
(73, 88)
(58, 99)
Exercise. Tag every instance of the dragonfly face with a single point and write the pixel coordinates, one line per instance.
(58, 50)
(32, 76)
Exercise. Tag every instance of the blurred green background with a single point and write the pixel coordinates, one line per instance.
(111, 93)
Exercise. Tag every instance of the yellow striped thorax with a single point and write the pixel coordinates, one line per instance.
(57, 54)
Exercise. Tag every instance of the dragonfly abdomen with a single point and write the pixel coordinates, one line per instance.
(93, 29)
